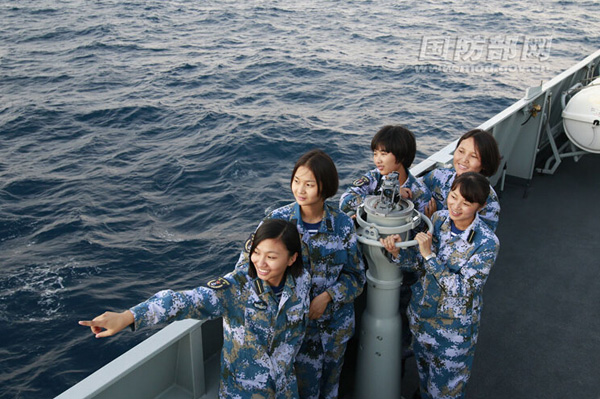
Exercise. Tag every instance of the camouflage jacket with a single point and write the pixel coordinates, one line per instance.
(369, 184)
(439, 182)
(450, 284)
(261, 336)
(336, 266)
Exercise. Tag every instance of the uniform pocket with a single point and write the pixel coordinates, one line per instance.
(335, 263)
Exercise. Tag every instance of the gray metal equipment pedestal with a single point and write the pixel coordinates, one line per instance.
(379, 365)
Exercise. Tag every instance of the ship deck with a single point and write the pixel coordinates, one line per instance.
(539, 335)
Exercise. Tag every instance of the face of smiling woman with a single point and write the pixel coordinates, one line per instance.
(466, 157)
(462, 212)
(271, 259)
(385, 161)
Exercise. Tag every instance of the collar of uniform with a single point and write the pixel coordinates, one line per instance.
(326, 222)
(295, 212)
(290, 284)
(260, 287)
(468, 234)
(265, 292)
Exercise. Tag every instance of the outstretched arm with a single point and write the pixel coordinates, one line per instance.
(109, 323)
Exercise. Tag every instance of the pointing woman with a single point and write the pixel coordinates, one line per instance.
(264, 308)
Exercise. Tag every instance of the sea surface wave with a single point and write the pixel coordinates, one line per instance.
(142, 141)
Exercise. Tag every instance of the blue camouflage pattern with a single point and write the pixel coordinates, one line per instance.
(336, 267)
(369, 184)
(261, 335)
(445, 309)
(439, 182)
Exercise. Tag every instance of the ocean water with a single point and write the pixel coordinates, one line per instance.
(142, 141)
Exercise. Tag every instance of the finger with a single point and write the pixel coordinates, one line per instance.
(105, 333)
(87, 323)
(96, 330)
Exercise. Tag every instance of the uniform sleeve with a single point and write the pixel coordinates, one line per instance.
(427, 180)
(432, 182)
(408, 259)
(166, 306)
(352, 279)
(471, 277)
(420, 195)
(355, 194)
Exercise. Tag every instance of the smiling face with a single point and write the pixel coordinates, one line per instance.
(305, 188)
(466, 157)
(385, 161)
(271, 259)
(462, 212)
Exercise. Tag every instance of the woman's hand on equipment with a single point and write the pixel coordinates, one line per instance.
(430, 208)
(425, 240)
(109, 323)
(318, 305)
(389, 243)
(405, 192)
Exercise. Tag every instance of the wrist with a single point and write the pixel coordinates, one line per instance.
(328, 297)
(431, 255)
(127, 318)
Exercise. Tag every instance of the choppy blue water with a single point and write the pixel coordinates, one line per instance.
(141, 141)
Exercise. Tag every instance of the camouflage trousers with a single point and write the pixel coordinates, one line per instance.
(444, 354)
(318, 371)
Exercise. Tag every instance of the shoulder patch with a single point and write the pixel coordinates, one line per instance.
(218, 283)
(248, 243)
(260, 305)
(364, 180)
(438, 196)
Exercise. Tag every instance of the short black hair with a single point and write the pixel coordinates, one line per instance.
(473, 186)
(322, 166)
(287, 233)
(487, 147)
(399, 141)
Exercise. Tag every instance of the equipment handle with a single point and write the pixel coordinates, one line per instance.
(403, 244)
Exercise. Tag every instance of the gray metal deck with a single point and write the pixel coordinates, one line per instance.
(540, 328)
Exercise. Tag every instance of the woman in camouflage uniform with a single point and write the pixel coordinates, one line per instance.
(476, 151)
(264, 308)
(453, 264)
(394, 148)
(329, 248)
